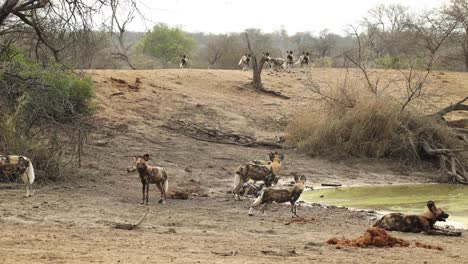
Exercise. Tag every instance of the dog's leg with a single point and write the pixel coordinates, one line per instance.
(27, 189)
(264, 208)
(31, 189)
(293, 209)
(147, 192)
(238, 182)
(161, 189)
(143, 192)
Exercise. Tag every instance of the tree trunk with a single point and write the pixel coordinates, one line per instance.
(257, 72)
(257, 66)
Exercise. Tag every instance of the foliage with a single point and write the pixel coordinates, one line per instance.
(167, 44)
(325, 62)
(43, 112)
(389, 62)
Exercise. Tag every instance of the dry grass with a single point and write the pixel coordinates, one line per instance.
(371, 128)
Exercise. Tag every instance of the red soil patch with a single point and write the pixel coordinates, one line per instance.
(373, 237)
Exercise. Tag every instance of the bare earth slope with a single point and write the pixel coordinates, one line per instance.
(72, 222)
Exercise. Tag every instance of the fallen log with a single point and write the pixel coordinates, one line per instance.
(331, 185)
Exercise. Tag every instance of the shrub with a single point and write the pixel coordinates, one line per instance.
(372, 128)
(42, 112)
(325, 62)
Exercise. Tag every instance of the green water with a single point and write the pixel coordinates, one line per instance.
(453, 199)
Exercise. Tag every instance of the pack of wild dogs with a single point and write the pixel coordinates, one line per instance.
(245, 182)
(278, 64)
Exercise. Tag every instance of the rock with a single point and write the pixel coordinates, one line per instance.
(188, 169)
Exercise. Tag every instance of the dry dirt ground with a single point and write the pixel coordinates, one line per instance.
(72, 222)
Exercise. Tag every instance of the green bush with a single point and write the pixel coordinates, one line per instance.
(325, 62)
(42, 112)
(62, 94)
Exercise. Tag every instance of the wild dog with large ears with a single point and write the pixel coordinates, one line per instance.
(151, 175)
(266, 173)
(291, 195)
(23, 166)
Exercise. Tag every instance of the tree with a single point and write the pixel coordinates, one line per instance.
(326, 41)
(216, 47)
(167, 43)
(257, 67)
(457, 10)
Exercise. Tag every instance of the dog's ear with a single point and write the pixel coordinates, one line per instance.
(303, 178)
(146, 157)
(296, 178)
(431, 206)
(272, 156)
(281, 157)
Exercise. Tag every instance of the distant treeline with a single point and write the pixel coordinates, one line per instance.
(393, 36)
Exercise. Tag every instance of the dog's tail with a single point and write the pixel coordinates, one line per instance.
(240, 62)
(259, 199)
(166, 182)
(166, 185)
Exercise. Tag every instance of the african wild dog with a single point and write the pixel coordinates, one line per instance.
(245, 61)
(274, 63)
(266, 173)
(246, 188)
(150, 174)
(416, 223)
(183, 61)
(289, 61)
(303, 59)
(23, 166)
(269, 195)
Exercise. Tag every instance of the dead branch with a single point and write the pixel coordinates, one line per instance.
(455, 168)
(203, 133)
(131, 226)
(459, 106)
(272, 92)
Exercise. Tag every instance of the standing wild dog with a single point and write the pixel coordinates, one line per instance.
(245, 61)
(183, 61)
(247, 186)
(269, 195)
(416, 223)
(150, 174)
(266, 173)
(274, 63)
(290, 60)
(23, 166)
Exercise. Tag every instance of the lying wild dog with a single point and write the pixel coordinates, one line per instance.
(23, 166)
(150, 174)
(269, 195)
(416, 223)
(266, 173)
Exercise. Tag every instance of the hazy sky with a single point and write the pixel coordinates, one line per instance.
(219, 16)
